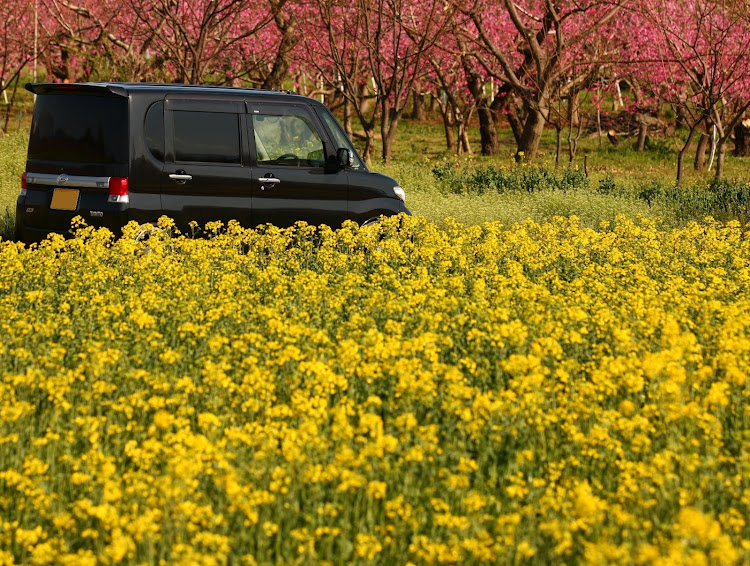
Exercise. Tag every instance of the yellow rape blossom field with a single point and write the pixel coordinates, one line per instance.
(411, 393)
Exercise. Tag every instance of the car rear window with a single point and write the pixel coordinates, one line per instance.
(84, 128)
(210, 137)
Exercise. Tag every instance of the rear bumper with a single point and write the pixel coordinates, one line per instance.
(113, 217)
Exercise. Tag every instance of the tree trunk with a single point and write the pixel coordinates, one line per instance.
(369, 144)
(516, 125)
(742, 139)
(288, 28)
(433, 102)
(574, 133)
(365, 103)
(721, 152)
(58, 66)
(448, 121)
(683, 151)
(348, 119)
(448, 125)
(454, 120)
(636, 91)
(388, 122)
(418, 107)
(506, 104)
(487, 128)
(531, 137)
(574, 106)
(573, 145)
(11, 104)
(463, 139)
(699, 164)
(617, 101)
(642, 134)
(681, 117)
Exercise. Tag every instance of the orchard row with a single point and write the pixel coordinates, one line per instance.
(535, 62)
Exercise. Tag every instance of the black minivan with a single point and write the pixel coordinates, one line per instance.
(116, 152)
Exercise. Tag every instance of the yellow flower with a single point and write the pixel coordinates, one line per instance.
(367, 546)
(163, 419)
(537, 392)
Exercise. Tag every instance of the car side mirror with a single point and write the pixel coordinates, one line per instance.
(344, 157)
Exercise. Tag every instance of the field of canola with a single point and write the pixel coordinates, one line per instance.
(412, 393)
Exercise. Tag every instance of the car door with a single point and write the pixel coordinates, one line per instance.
(290, 180)
(206, 176)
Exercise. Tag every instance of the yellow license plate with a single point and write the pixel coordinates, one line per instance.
(65, 199)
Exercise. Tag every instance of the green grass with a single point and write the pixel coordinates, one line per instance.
(12, 161)
(436, 199)
(591, 208)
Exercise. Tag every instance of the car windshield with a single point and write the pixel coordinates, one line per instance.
(72, 127)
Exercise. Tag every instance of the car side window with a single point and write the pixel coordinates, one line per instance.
(207, 137)
(339, 137)
(289, 139)
(153, 128)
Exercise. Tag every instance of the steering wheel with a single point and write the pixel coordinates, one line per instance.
(288, 157)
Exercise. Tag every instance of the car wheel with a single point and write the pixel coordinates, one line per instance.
(147, 231)
(371, 222)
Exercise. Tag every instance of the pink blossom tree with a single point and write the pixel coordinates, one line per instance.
(542, 50)
(172, 40)
(17, 47)
(445, 79)
(201, 40)
(97, 40)
(695, 57)
(456, 104)
(375, 52)
(286, 20)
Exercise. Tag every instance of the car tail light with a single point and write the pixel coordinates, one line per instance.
(23, 184)
(118, 190)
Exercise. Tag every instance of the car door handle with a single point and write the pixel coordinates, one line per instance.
(268, 181)
(180, 177)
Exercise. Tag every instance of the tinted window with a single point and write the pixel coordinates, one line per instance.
(287, 140)
(90, 129)
(212, 137)
(153, 128)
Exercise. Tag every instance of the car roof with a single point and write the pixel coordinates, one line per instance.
(127, 88)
